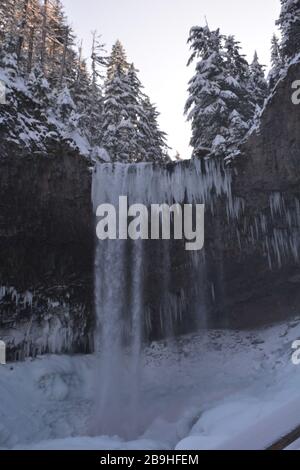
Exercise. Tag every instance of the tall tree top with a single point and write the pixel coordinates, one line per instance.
(256, 67)
(275, 51)
(117, 60)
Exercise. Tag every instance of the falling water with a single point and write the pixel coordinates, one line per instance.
(124, 318)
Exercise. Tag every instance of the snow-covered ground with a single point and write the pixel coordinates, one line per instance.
(212, 390)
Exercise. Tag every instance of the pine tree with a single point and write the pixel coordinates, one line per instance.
(289, 24)
(41, 94)
(122, 135)
(154, 140)
(82, 95)
(67, 115)
(205, 107)
(130, 129)
(95, 99)
(114, 114)
(117, 60)
(222, 101)
(277, 62)
(258, 83)
(39, 87)
(242, 103)
(65, 104)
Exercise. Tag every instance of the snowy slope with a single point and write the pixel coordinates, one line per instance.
(207, 391)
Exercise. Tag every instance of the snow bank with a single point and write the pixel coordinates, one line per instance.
(213, 390)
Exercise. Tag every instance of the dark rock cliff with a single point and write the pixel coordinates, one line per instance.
(46, 253)
(258, 275)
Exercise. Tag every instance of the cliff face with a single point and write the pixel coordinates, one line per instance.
(255, 262)
(271, 156)
(46, 253)
(250, 275)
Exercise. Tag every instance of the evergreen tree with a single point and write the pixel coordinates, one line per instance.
(154, 140)
(206, 107)
(130, 129)
(135, 115)
(277, 62)
(224, 93)
(289, 24)
(39, 87)
(37, 47)
(258, 83)
(95, 98)
(89, 120)
(117, 60)
(116, 125)
(67, 115)
(241, 103)
(65, 105)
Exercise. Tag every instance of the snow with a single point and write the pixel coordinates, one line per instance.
(101, 154)
(211, 390)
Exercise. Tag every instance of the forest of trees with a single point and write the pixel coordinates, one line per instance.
(55, 94)
(96, 107)
(227, 94)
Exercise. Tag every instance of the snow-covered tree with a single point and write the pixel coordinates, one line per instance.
(52, 93)
(117, 60)
(116, 124)
(39, 87)
(130, 128)
(258, 82)
(95, 97)
(65, 105)
(89, 105)
(154, 140)
(277, 62)
(225, 93)
(289, 24)
(206, 107)
(242, 102)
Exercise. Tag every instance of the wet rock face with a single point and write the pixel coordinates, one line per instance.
(267, 178)
(46, 253)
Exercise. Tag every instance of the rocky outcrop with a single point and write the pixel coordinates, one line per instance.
(46, 253)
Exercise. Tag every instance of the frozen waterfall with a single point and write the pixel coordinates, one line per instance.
(148, 289)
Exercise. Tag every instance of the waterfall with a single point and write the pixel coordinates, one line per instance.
(122, 314)
(149, 289)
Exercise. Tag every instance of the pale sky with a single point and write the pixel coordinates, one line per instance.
(154, 34)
